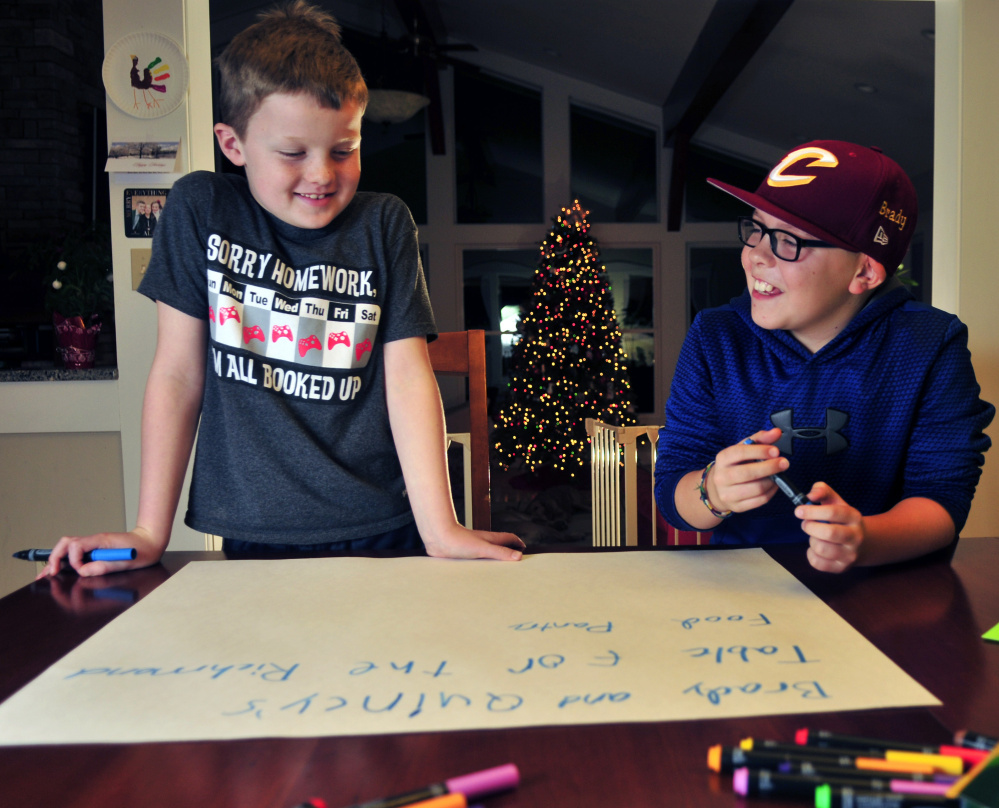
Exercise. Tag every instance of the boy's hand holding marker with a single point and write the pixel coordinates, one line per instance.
(740, 478)
(749, 474)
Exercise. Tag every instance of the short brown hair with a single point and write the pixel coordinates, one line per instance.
(292, 48)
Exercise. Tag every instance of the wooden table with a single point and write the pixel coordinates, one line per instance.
(928, 616)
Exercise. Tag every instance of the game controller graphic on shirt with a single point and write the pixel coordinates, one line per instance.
(256, 332)
(279, 331)
(340, 338)
(228, 313)
(307, 344)
(362, 347)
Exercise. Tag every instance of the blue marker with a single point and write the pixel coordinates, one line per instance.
(108, 554)
(785, 485)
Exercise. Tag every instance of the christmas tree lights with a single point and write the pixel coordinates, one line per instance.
(569, 364)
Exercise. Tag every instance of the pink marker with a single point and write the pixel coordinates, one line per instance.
(916, 787)
(474, 785)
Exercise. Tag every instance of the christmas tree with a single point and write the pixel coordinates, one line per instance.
(568, 365)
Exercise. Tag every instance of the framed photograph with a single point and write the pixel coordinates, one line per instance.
(143, 207)
(143, 157)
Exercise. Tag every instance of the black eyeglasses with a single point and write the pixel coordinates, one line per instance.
(786, 246)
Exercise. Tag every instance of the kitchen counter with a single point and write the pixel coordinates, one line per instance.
(58, 375)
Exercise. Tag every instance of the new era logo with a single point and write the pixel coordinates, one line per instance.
(881, 237)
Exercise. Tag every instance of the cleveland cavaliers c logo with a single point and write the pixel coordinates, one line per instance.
(820, 158)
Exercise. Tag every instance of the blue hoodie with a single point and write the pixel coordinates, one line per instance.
(889, 409)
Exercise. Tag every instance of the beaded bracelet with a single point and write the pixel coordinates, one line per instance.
(703, 488)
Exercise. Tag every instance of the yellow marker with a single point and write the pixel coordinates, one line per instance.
(944, 764)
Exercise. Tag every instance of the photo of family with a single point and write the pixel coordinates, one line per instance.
(143, 207)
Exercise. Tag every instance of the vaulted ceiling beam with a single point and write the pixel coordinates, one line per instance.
(707, 76)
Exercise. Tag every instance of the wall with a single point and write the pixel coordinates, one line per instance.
(136, 315)
(964, 258)
(73, 484)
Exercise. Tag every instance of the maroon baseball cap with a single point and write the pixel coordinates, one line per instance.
(851, 196)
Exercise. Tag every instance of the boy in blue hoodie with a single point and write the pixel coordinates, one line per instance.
(828, 370)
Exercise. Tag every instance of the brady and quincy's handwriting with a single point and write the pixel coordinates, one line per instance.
(386, 697)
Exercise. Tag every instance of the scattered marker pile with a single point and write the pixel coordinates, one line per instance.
(844, 771)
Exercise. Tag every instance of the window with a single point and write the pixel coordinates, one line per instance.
(715, 274)
(498, 165)
(393, 156)
(498, 291)
(613, 167)
(631, 278)
(704, 202)
(394, 161)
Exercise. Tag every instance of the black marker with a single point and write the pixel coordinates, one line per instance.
(785, 485)
(972, 740)
(100, 554)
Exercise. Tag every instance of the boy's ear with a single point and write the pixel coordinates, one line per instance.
(229, 143)
(869, 276)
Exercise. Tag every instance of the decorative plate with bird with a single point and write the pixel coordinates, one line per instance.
(145, 74)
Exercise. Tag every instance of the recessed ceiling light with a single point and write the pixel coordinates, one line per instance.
(864, 87)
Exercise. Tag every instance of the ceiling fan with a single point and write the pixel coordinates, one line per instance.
(430, 56)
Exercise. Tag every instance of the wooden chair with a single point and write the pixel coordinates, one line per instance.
(463, 353)
(613, 459)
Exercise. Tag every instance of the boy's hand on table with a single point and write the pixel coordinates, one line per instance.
(835, 530)
(72, 548)
(460, 542)
(740, 480)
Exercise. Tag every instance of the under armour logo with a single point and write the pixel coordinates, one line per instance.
(835, 421)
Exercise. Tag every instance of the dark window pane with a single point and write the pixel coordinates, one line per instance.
(629, 271)
(613, 167)
(497, 292)
(497, 150)
(704, 202)
(716, 276)
(393, 156)
(394, 161)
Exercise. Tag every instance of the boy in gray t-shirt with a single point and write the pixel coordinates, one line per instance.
(293, 321)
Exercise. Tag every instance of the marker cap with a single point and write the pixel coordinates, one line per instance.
(740, 781)
(715, 758)
(488, 781)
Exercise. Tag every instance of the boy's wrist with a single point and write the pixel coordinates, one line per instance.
(702, 489)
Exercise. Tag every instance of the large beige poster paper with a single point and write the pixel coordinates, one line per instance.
(238, 649)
